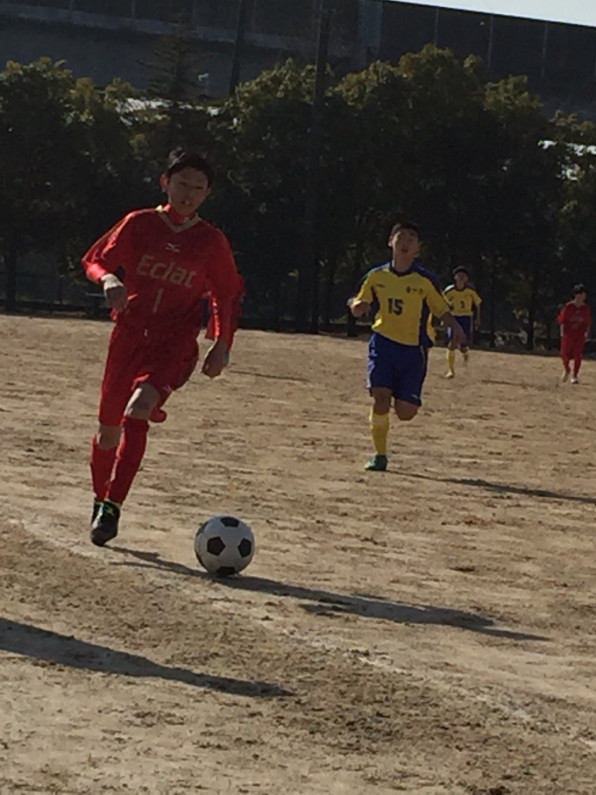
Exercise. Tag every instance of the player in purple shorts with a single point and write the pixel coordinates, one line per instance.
(464, 302)
(400, 295)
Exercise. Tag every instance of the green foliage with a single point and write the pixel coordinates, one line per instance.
(495, 185)
(261, 135)
(68, 171)
(176, 90)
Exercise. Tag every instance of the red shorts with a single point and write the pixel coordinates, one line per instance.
(572, 345)
(137, 357)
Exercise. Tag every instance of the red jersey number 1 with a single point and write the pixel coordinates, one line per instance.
(157, 301)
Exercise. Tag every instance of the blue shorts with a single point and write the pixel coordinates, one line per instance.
(400, 368)
(465, 321)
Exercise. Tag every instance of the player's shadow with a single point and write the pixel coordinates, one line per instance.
(501, 488)
(52, 647)
(271, 376)
(329, 604)
(521, 385)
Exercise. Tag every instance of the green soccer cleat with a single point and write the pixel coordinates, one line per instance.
(105, 524)
(378, 463)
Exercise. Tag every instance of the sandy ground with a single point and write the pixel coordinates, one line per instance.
(427, 630)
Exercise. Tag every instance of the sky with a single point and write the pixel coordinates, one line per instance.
(577, 12)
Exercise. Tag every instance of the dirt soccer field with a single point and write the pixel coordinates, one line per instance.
(427, 630)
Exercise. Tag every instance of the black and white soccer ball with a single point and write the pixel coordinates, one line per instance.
(224, 545)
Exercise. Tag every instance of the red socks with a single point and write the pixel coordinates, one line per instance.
(102, 462)
(129, 455)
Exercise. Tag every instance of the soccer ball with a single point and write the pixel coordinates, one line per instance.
(224, 545)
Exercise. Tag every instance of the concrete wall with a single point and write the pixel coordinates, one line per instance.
(120, 41)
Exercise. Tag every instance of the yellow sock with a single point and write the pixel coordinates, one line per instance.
(379, 429)
(451, 360)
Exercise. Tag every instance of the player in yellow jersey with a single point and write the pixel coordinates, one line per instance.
(464, 302)
(400, 294)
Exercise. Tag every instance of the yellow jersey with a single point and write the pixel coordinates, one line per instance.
(430, 329)
(462, 302)
(402, 302)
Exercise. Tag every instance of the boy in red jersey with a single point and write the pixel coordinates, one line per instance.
(170, 258)
(236, 311)
(575, 319)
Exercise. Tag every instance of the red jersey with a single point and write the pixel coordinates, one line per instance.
(575, 320)
(169, 264)
(236, 312)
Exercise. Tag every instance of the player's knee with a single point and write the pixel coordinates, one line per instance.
(139, 410)
(108, 436)
(142, 403)
(407, 412)
(382, 405)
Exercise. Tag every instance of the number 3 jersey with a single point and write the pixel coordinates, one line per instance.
(402, 302)
(462, 302)
(169, 264)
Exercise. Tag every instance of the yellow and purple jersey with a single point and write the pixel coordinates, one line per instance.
(462, 302)
(402, 302)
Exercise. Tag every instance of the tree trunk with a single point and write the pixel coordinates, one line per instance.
(277, 303)
(532, 310)
(328, 297)
(492, 302)
(10, 264)
(308, 277)
(241, 24)
(357, 270)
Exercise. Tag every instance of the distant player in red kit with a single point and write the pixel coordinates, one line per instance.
(170, 258)
(575, 319)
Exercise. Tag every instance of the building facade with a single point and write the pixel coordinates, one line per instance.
(104, 39)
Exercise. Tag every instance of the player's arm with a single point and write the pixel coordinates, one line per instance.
(438, 305)
(110, 252)
(447, 296)
(476, 304)
(457, 332)
(361, 302)
(225, 291)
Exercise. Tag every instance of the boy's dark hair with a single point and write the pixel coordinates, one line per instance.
(579, 288)
(405, 225)
(460, 269)
(181, 158)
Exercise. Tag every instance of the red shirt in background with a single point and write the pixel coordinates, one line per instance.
(575, 320)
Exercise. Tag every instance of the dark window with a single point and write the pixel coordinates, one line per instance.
(570, 52)
(283, 19)
(463, 32)
(406, 28)
(113, 8)
(215, 14)
(47, 3)
(170, 11)
(517, 47)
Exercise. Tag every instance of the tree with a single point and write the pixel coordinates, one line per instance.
(176, 91)
(62, 172)
(530, 181)
(37, 195)
(261, 136)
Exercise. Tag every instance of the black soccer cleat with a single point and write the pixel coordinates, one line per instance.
(95, 511)
(105, 524)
